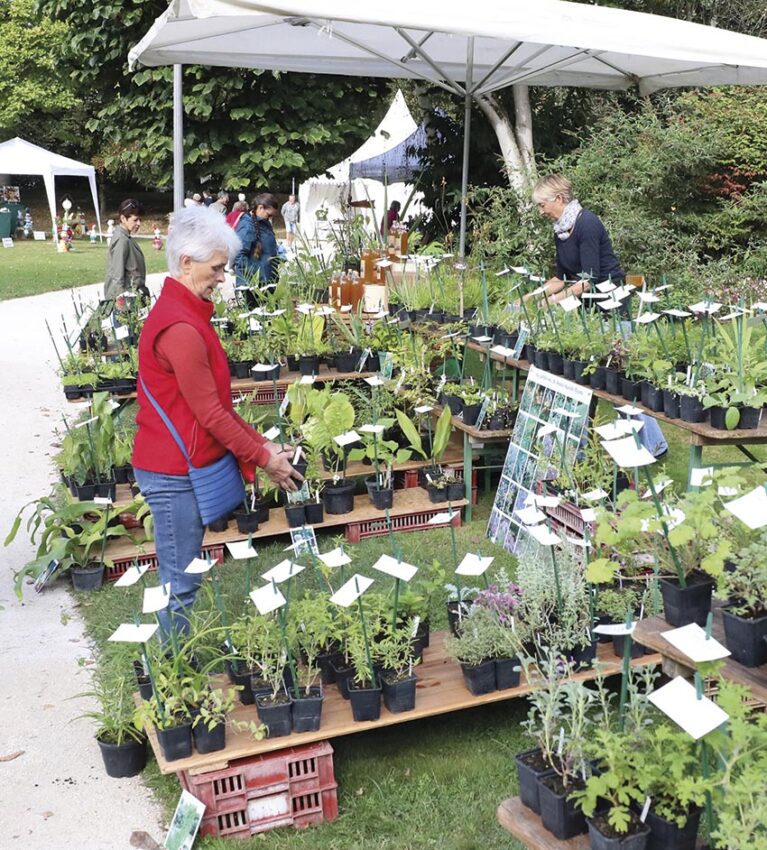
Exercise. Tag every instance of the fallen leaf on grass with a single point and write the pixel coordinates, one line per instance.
(359, 792)
(12, 756)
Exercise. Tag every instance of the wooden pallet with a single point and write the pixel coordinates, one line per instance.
(440, 690)
(526, 826)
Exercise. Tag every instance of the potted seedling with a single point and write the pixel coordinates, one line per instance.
(273, 704)
(312, 629)
(209, 725)
(328, 430)
(434, 472)
(395, 654)
(384, 454)
(474, 650)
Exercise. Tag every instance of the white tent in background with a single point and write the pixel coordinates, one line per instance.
(332, 190)
(20, 157)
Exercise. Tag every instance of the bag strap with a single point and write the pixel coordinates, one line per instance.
(168, 424)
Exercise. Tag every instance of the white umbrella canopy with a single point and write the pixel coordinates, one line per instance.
(546, 43)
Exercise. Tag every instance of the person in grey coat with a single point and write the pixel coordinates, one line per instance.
(126, 268)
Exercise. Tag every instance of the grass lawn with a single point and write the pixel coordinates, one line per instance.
(30, 268)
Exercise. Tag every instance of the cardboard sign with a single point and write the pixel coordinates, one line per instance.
(38, 235)
(7, 242)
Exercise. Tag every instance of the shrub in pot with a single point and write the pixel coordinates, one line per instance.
(312, 629)
(209, 725)
(394, 652)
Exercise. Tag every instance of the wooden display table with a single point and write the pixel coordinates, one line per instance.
(526, 826)
(649, 633)
(440, 690)
(699, 434)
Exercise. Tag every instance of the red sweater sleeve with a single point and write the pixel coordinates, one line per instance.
(182, 350)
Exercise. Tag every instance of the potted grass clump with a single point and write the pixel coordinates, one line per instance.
(312, 628)
(169, 714)
(273, 703)
(745, 614)
(394, 652)
(122, 744)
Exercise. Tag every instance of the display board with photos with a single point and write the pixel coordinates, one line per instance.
(551, 424)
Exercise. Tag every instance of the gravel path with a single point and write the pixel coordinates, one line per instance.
(55, 793)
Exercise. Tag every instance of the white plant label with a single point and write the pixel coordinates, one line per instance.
(544, 535)
(502, 351)
(156, 598)
(123, 332)
(648, 297)
(241, 550)
(424, 408)
(678, 314)
(482, 340)
(38, 235)
(393, 567)
(646, 318)
(347, 438)
(679, 701)
(273, 433)
(132, 633)
(691, 640)
(606, 286)
(629, 410)
(561, 741)
(626, 453)
(569, 304)
(645, 810)
(702, 476)
(442, 518)
(374, 381)
(545, 430)
(132, 575)
(349, 592)
(267, 598)
(474, 565)
(335, 558)
(588, 514)
(199, 566)
(371, 429)
(7, 242)
(283, 571)
(751, 508)
(595, 495)
(307, 380)
(615, 629)
(531, 515)
(284, 405)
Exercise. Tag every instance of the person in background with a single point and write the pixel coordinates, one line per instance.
(197, 199)
(126, 268)
(580, 240)
(185, 369)
(291, 210)
(207, 198)
(221, 203)
(392, 215)
(244, 264)
(239, 208)
(266, 251)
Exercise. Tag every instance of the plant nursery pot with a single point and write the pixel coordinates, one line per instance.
(315, 513)
(568, 369)
(630, 390)
(717, 417)
(583, 656)
(556, 363)
(241, 677)
(671, 404)
(529, 353)
(241, 368)
(531, 767)
(422, 638)
(295, 515)
(123, 760)
(563, 819)
(122, 474)
(382, 499)
(339, 498)
(301, 466)
(470, 413)
(85, 492)
(631, 841)
(507, 673)
(247, 522)
(309, 364)
(143, 681)
(456, 612)
(454, 402)
(343, 676)
(542, 359)
(479, 678)
(613, 381)
(87, 578)
(307, 710)
(106, 489)
(745, 638)
(259, 687)
(347, 361)
(666, 835)
(654, 398)
(578, 376)
(292, 361)
(436, 494)
(276, 716)
(455, 491)
(325, 661)
(366, 703)
(73, 392)
(598, 378)
(399, 696)
(691, 409)
(749, 418)
(209, 740)
(267, 375)
(644, 389)
(685, 605)
(176, 742)
(637, 650)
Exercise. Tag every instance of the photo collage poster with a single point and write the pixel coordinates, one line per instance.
(531, 459)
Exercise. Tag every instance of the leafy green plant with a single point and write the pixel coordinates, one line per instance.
(113, 689)
(746, 585)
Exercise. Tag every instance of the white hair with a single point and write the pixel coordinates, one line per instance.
(198, 232)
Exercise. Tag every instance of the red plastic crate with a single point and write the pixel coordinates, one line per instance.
(262, 395)
(418, 521)
(292, 787)
(215, 550)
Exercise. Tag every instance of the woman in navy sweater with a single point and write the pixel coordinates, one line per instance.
(582, 244)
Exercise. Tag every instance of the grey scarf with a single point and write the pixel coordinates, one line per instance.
(564, 225)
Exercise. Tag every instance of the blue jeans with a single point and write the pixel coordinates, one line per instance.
(178, 532)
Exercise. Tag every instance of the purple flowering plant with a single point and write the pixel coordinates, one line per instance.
(501, 598)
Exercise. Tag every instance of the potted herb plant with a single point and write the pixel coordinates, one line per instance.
(364, 687)
(474, 650)
(395, 654)
(209, 725)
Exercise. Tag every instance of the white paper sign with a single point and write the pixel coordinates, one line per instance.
(629, 410)
(198, 566)
(531, 515)
(283, 571)
(751, 508)
(307, 380)
(588, 514)
(660, 486)
(701, 476)
(502, 351)
(348, 593)
(38, 235)
(679, 701)
(241, 550)
(615, 629)
(131, 575)
(123, 332)
(424, 408)
(347, 438)
(156, 598)
(646, 318)
(627, 453)
(609, 304)
(691, 640)
(570, 304)
(267, 598)
(375, 381)
(272, 433)
(544, 535)
(606, 286)
(473, 565)
(335, 558)
(678, 314)
(131, 633)
(543, 501)
(7, 242)
(648, 297)
(442, 518)
(262, 367)
(482, 340)
(393, 567)
(371, 429)
(595, 495)
(703, 307)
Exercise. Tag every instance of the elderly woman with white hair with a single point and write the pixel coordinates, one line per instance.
(183, 373)
(582, 244)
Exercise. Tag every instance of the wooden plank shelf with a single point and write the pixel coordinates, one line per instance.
(440, 690)
(526, 826)
(649, 633)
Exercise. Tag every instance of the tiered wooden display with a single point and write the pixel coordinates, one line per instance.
(526, 827)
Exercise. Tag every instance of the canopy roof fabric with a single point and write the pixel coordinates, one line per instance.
(18, 156)
(546, 43)
(397, 165)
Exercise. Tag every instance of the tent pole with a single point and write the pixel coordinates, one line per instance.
(178, 138)
(466, 139)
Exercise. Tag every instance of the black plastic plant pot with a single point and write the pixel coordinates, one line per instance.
(637, 650)
(671, 405)
(568, 369)
(247, 522)
(556, 363)
(497, 422)
(209, 740)
(381, 499)
(631, 841)
(454, 402)
(666, 835)
(176, 742)
(220, 524)
(325, 661)
(276, 716)
(399, 696)
(309, 364)
(238, 676)
(292, 361)
(578, 376)
(315, 513)
(365, 702)
(691, 409)
(456, 613)
(718, 417)
(542, 360)
(342, 677)
(347, 361)
(597, 378)
(122, 474)
(73, 392)
(123, 760)
(436, 494)
(307, 710)
(339, 498)
(85, 492)
(106, 489)
(749, 418)
(142, 680)
(87, 578)
(301, 466)
(630, 390)
(259, 687)
(241, 368)
(295, 515)
(584, 655)
(563, 819)
(470, 413)
(479, 678)
(685, 605)
(531, 767)
(613, 381)
(455, 491)
(644, 389)
(426, 472)
(745, 638)
(654, 399)
(507, 673)
(271, 375)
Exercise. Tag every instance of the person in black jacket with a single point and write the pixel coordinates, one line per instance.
(581, 241)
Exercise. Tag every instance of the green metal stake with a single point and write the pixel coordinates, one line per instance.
(627, 641)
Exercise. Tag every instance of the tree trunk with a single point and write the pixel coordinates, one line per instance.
(516, 142)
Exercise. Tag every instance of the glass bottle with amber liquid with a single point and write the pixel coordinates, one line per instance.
(334, 290)
(346, 289)
(357, 290)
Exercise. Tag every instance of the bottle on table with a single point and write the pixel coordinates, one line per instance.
(346, 289)
(334, 290)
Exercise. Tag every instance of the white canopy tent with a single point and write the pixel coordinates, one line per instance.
(20, 157)
(469, 49)
(333, 189)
